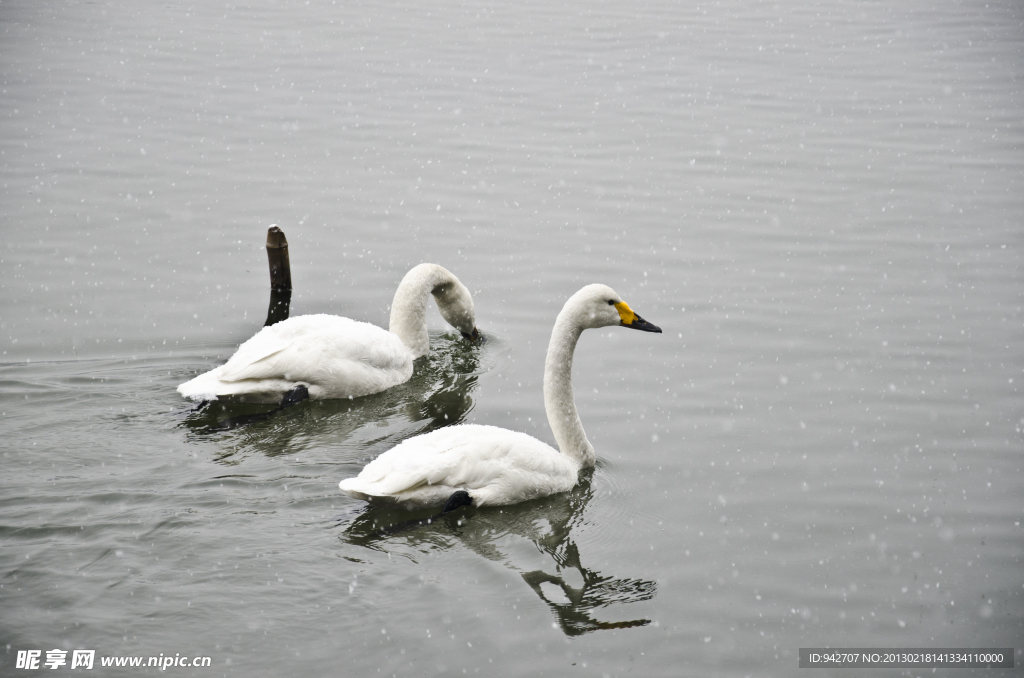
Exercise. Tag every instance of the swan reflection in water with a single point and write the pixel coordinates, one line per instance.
(438, 394)
(547, 523)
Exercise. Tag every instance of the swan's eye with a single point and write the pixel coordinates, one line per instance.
(611, 303)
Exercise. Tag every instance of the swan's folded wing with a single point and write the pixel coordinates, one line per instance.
(316, 348)
(254, 359)
(423, 460)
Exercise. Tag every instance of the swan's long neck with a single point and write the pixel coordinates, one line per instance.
(559, 401)
(409, 307)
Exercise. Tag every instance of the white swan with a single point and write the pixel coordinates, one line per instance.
(334, 357)
(486, 465)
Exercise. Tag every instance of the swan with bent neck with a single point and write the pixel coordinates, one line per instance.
(335, 357)
(487, 465)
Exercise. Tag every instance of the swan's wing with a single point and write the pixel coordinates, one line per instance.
(427, 459)
(248, 362)
(315, 348)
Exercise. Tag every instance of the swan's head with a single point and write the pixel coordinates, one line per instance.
(456, 307)
(600, 306)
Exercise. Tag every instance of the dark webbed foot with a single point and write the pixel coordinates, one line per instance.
(294, 396)
(458, 499)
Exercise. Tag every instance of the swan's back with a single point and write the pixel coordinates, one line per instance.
(334, 357)
(496, 465)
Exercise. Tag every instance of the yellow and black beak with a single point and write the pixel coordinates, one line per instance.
(633, 321)
(474, 337)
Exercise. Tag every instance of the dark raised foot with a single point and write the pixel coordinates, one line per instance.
(294, 397)
(458, 499)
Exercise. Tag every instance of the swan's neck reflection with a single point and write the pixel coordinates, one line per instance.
(532, 539)
(594, 591)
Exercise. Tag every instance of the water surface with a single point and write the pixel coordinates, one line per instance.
(820, 203)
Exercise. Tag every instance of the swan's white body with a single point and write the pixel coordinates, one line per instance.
(335, 357)
(494, 465)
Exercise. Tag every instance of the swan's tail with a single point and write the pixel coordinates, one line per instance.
(203, 387)
(209, 386)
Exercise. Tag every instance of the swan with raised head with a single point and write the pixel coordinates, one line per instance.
(486, 465)
(327, 356)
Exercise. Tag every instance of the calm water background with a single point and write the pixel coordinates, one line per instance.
(821, 204)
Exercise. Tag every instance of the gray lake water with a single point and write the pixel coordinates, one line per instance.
(822, 205)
